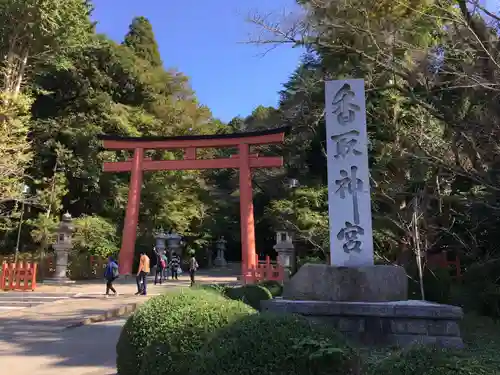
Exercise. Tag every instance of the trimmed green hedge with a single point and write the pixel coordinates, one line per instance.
(431, 361)
(250, 294)
(178, 322)
(269, 344)
(154, 359)
(275, 287)
(217, 288)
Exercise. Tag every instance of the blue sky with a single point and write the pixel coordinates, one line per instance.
(201, 39)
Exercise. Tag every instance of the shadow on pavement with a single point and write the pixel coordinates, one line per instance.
(32, 346)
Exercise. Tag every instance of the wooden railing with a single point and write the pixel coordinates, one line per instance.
(441, 260)
(264, 270)
(80, 267)
(20, 276)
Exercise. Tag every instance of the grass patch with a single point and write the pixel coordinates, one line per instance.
(482, 337)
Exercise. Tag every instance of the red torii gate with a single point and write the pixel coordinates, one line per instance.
(243, 161)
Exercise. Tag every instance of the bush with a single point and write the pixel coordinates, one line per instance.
(217, 288)
(437, 285)
(178, 321)
(481, 288)
(269, 344)
(430, 361)
(275, 287)
(154, 358)
(250, 294)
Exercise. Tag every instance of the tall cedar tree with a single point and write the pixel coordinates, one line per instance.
(141, 39)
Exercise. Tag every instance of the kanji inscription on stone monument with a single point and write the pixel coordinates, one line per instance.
(351, 241)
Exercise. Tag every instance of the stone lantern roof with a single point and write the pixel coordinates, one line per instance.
(173, 235)
(66, 225)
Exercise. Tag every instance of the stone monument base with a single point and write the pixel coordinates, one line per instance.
(220, 262)
(322, 282)
(393, 323)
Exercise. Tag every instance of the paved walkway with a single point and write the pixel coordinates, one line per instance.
(87, 350)
(22, 300)
(35, 340)
(127, 285)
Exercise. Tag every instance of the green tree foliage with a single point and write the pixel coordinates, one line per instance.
(429, 69)
(140, 38)
(95, 235)
(15, 147)
(35, 32)
(48, 196)
(105, 87)
(305, 213)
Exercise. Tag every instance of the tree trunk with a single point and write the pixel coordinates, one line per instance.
(8, 72)
(20, 73)
(15, 69)
(418, 252)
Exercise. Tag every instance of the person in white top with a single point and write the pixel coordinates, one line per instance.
(193, 267)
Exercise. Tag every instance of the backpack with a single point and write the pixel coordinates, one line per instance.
(162, 263)
(114, 271)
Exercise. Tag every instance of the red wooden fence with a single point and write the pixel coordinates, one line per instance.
(80, 267)
(441, 260)
(264, 270)
(20, 276)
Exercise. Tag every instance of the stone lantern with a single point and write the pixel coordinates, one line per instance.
(174, 243)
(160, 238)
(220, 260)
(286, 251)
(62, 247)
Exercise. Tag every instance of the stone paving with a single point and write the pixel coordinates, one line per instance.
(22, 300)
(127, 285)
(87, 350)
(36, 340)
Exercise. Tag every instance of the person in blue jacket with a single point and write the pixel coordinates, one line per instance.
(111, 274)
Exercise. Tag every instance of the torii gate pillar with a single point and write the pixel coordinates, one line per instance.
(246, 210)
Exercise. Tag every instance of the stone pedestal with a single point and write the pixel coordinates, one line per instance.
(369, 305)
(62, 255)
(395, 323)
(61, 263)
(220, 259)
(321, 282)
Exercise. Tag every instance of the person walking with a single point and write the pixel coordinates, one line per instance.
(160, 266)
(193, 267)
(142, 273)
(165, 260)
(111, 274)
(175, 263)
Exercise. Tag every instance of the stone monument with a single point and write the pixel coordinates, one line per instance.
(286, 252)
(174, 244)
(220, 260)
(365, 301)
(62, 247)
